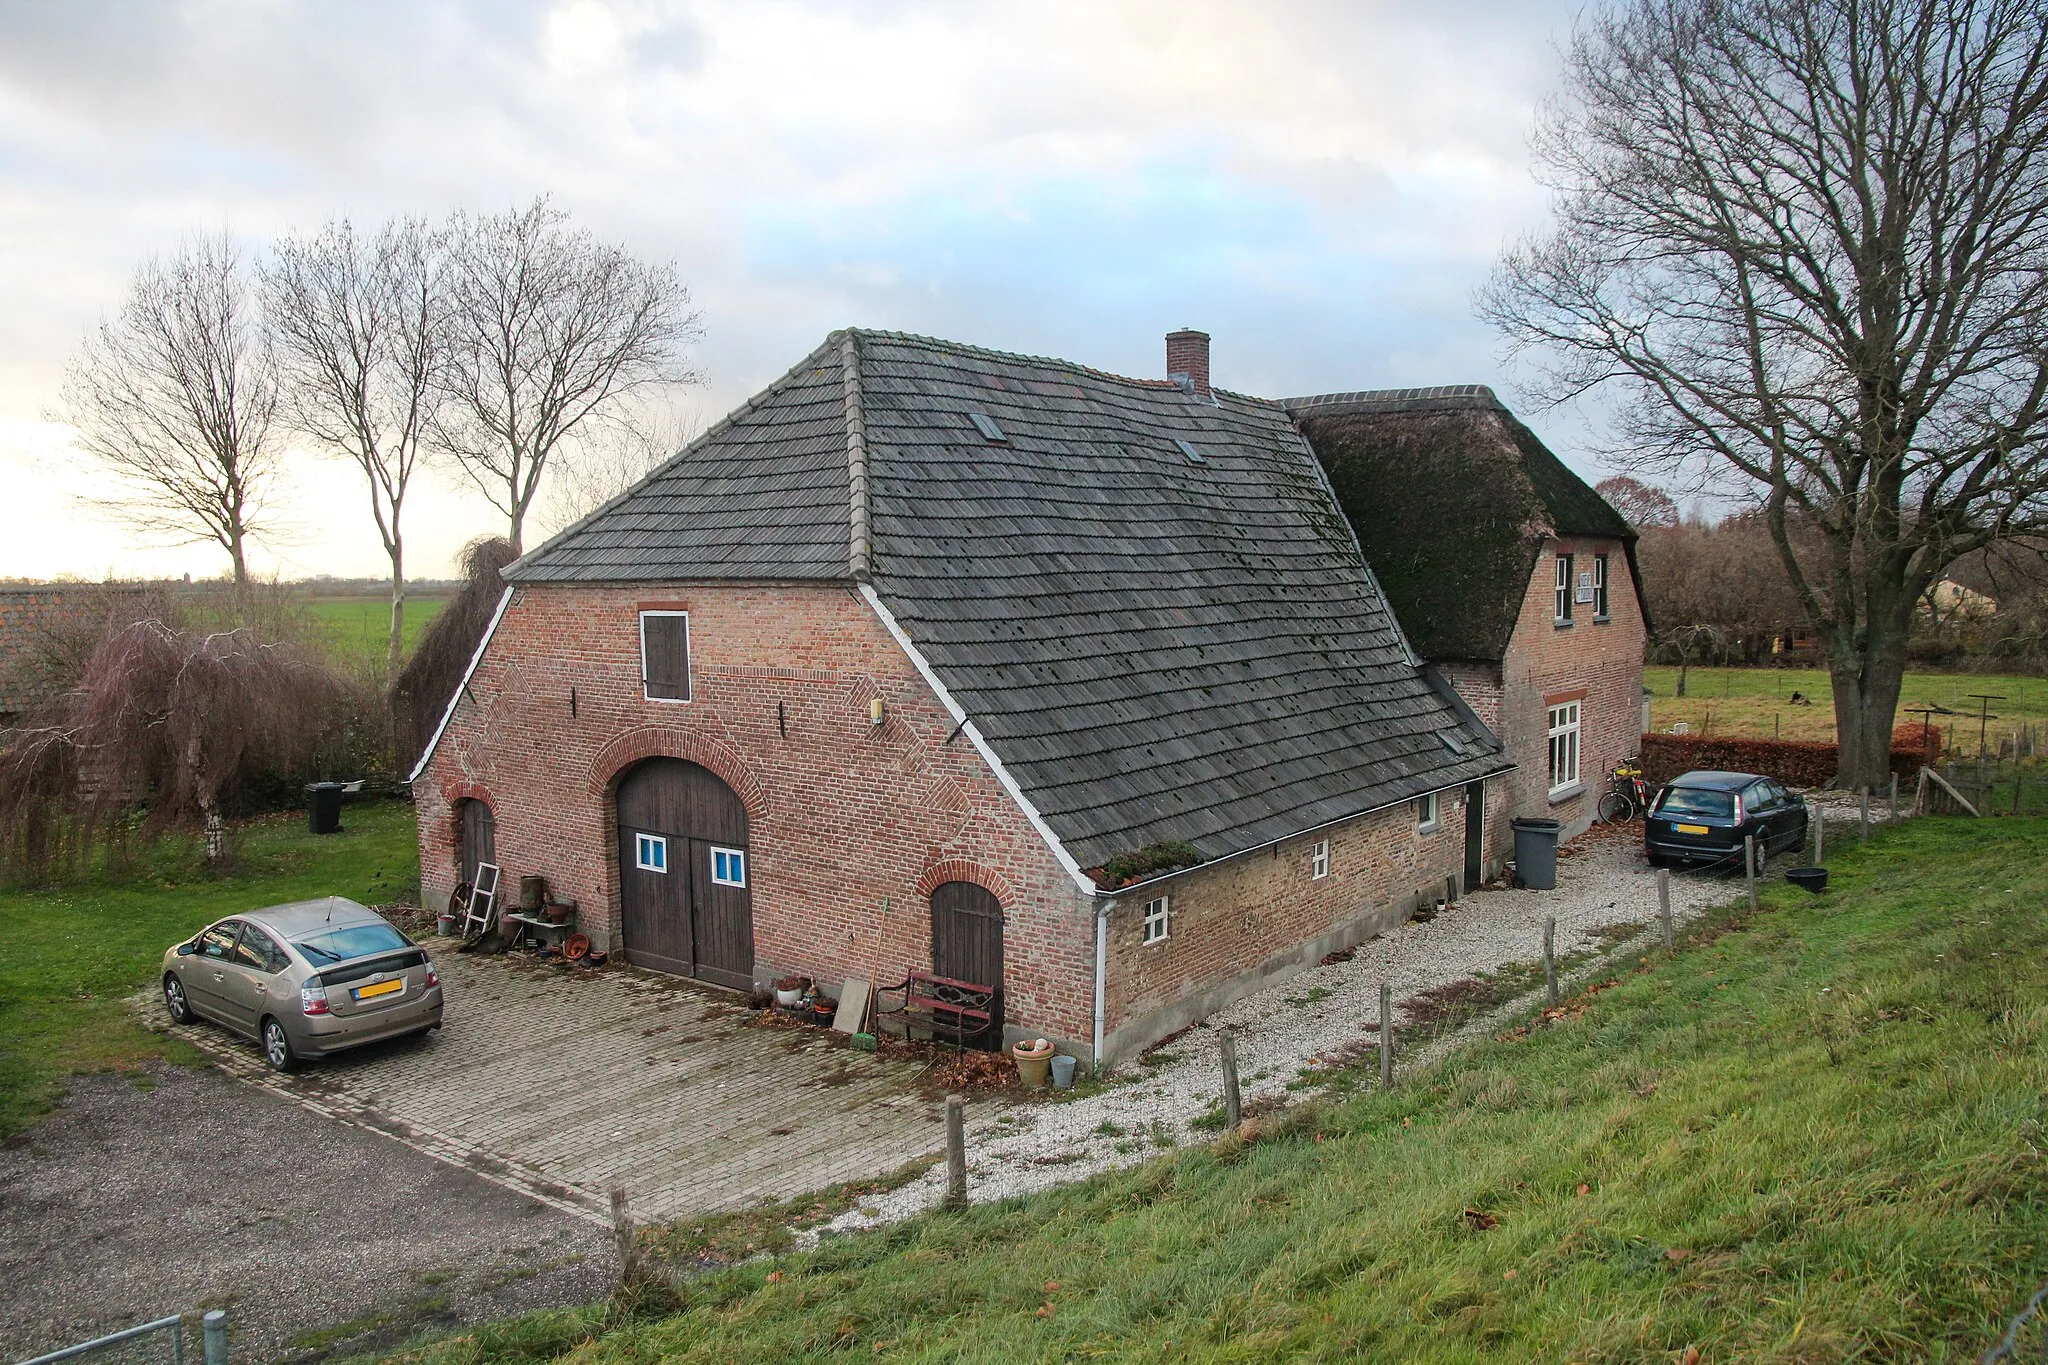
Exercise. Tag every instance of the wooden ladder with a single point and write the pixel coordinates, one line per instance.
(483, 900)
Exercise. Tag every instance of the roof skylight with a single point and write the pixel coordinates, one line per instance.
(986, 425)
(1187, 448)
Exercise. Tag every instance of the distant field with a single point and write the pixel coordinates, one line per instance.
(361, 625)
(1758, 701)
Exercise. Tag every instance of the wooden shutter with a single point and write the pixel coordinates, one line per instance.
(665, 655)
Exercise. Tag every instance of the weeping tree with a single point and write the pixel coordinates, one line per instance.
(449, 642)
(1803, 247)
(166, 721)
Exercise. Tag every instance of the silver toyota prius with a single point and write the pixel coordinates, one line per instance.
(305, 979)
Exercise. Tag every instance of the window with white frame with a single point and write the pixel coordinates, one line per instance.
(1425, 813)
(729, 866)
(650, 853)
(1564, 746)
(1319, 860)
(1155, 920)
(1564, 587)
(1600, 587)
(665, 655)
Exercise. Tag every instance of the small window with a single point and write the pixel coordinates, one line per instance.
(1319, 861)
(665, 655)
(986, 425)
(1600, 587)
(1425, 813)
(1155, 920)
(728, 867)
(1564, 746)
(1187, 448)
(650, 853)
(1564, 587)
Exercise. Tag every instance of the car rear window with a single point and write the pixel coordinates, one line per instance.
(345, 941)
(1697, 801)
(341, 976)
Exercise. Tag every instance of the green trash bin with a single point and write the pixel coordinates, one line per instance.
(1536, 853)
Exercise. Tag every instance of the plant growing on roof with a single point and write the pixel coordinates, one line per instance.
(1136, 864)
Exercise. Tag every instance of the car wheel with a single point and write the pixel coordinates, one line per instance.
(277, 1047)
(1658, 860)
(174, 1000)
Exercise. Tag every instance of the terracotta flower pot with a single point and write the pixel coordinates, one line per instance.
(1034, 1062)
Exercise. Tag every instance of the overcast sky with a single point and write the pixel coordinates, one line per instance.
(1320, 186)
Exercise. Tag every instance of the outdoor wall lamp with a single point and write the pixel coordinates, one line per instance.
(875, 711)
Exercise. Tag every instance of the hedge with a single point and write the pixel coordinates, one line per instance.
(1795, 762)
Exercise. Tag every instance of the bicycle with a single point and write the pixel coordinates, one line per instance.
(1628, 796)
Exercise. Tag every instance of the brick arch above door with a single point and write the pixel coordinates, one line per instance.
(945, 870)
(662, 741)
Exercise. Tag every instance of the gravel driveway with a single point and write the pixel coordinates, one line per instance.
(176, 1188)
(1602, 882)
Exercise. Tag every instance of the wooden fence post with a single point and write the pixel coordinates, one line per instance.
(1664, 906)
(628, 1241)
(956, 1151)
(1233, 1110)
(1863, 811)
(1820, 834)
(1749, 867)
(1386, 1036)
(1550, 959)
(1895, 798)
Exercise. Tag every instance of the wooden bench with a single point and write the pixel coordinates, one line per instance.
(959, 1011)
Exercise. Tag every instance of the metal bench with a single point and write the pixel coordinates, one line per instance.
(959, 1011)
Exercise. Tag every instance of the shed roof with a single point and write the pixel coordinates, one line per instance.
(1452, 498)
(1156, 649)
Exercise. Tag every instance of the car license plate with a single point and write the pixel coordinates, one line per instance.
(1690, 829)
(381, 988)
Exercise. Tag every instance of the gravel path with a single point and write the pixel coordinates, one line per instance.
(1602, 882)
(179, 1188)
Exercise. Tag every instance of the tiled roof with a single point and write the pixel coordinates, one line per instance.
(1157, 649)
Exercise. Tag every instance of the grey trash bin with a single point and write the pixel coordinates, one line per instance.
(1536, 853)
(323, 808)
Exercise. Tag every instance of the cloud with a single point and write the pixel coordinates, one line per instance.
(1319, 184)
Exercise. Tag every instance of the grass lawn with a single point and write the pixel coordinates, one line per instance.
(362, 625)
(1816, 1135)
(75, 953)
(1756, 701)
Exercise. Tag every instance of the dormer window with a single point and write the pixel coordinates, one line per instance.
(986, 425)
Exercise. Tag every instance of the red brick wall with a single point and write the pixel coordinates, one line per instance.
(1602, 659)
(1240, 925)
(841, 812)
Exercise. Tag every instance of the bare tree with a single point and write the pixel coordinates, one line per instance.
(174, 398)
(1808, 241)
(553, 330)
(360, 332)
(609, 464)
(1642, 504)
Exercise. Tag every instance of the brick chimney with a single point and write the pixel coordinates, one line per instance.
(1187, 360)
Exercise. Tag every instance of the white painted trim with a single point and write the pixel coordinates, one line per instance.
(490, 632)
(974, 737)
(688, 693)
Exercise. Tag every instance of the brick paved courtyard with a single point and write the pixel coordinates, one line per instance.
(563, 1088)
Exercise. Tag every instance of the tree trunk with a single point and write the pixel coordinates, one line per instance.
(1868, 677)
(1684, 663)
(394, 649)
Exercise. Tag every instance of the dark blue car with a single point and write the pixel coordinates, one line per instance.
(1703, 817)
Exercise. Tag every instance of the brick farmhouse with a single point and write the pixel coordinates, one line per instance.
(935, 657)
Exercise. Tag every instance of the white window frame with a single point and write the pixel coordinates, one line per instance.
(1319, 860)
(656, 844)
(1562, 597)
(1427, 815)
(1563, 721)
(1599, 587)
(1156, 924)
(688, 690)
(736, 861)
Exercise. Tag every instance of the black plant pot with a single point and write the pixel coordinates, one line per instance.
(1814, 879)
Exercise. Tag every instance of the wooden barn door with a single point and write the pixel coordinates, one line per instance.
(967, 943)
(685, 884)
(479, 835)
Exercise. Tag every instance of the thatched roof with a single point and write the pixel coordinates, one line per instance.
(1452, 499)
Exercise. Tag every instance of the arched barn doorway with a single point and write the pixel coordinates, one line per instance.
(967, 943)
(685, 897)
(476, 839)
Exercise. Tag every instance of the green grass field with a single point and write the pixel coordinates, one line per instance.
(1757, 702)
(75, 953)
(361, 626)
(1817, 1135)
